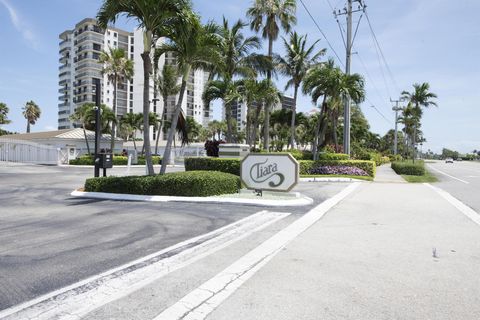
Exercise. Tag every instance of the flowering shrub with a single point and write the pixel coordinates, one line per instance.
(345, 170)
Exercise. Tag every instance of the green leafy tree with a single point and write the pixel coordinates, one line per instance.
(4, 114)
(167, 85)
(156, 18)
(118, 68)
(82, 116)
(419, 97)
(31, 111)
(268, 16)
(130, 124)
(193, 46)
(299, 58)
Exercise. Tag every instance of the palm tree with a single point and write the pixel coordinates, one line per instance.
(320, 81)
(236, 60)
(81, 115)
(3, 113)
(131, 123)
(193, 47)
(420, 97)
(117, 67)
(295, 65)
(155, 17)
(167, 85)
(31, 112)
(267, 15)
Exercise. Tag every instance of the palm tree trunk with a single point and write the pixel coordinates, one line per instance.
(255, 125)
(114, 108)
(134, 143)
(28, 126)
(171, 132)
(248, 134)
(335, 136)
(266, 129)
(294, 110)
(147, 67)
(86, 139)
(160, 127)
(317, 129)
(228, 117)
(414, 138)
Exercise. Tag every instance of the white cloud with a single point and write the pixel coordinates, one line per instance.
(21, 27)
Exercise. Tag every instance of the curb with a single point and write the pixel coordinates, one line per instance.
(298, 201)
(315, 179)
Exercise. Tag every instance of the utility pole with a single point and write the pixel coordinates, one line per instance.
(348, 11)
(97, 127)
(396, 109)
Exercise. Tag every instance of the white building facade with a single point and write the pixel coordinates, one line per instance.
(80, 50)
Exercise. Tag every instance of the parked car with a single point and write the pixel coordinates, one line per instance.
(449, 160)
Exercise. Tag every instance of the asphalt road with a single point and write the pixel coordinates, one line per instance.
(49, 239)
(460, 179)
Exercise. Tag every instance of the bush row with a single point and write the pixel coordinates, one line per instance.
(228, 165)
(337, 170)
(117, 161)
(308, 166)
(409, 168)
(187, 184)
(232, 166)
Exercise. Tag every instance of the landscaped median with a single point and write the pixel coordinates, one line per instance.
(191, 186)
(413, 171)
(336, 165)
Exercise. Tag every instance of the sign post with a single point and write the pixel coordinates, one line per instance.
(269, 172)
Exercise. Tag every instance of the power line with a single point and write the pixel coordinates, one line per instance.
(323, 34)
(379, 112)
(381, 52)
(377, 91)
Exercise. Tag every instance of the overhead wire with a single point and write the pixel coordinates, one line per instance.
(323, 33)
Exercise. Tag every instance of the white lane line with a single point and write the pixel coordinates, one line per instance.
(203, 300)
(466, 210)
(446, 174)
(79, 299)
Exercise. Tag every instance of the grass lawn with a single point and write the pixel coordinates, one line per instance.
(427, 177)
(366, 178)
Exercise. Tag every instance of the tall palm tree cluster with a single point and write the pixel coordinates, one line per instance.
(411, 117)
(238, 72)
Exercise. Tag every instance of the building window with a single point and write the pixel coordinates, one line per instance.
(115, 34)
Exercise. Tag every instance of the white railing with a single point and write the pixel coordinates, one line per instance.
(27, 152)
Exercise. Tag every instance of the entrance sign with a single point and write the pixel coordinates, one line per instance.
(269, 171)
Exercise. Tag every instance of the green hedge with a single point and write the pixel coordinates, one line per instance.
(187, 184)
(409, 168)
(117, 161)
(368, 166)
(327, 156)
(227, 165)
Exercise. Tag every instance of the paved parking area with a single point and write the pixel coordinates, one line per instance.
(49, 239)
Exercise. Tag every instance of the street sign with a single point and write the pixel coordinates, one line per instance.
(269, 171)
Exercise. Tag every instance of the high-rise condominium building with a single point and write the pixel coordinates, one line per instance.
(239, 110)
(80, 50)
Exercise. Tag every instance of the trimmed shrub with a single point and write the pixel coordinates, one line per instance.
(187, 184)
(307, 166)
(227, 165)
(409, 168)
(332, 156)
(117, 161)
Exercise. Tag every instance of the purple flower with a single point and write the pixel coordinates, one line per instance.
(341, 170)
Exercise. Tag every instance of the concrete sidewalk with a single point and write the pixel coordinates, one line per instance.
(386, 174)
(390, 251)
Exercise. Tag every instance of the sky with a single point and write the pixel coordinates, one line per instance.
(434, 41)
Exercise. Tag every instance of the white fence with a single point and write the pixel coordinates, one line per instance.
(27, 152)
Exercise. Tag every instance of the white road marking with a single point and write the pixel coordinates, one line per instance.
(466, 210)
(79, 299)
(446, 174)
(203, 300)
